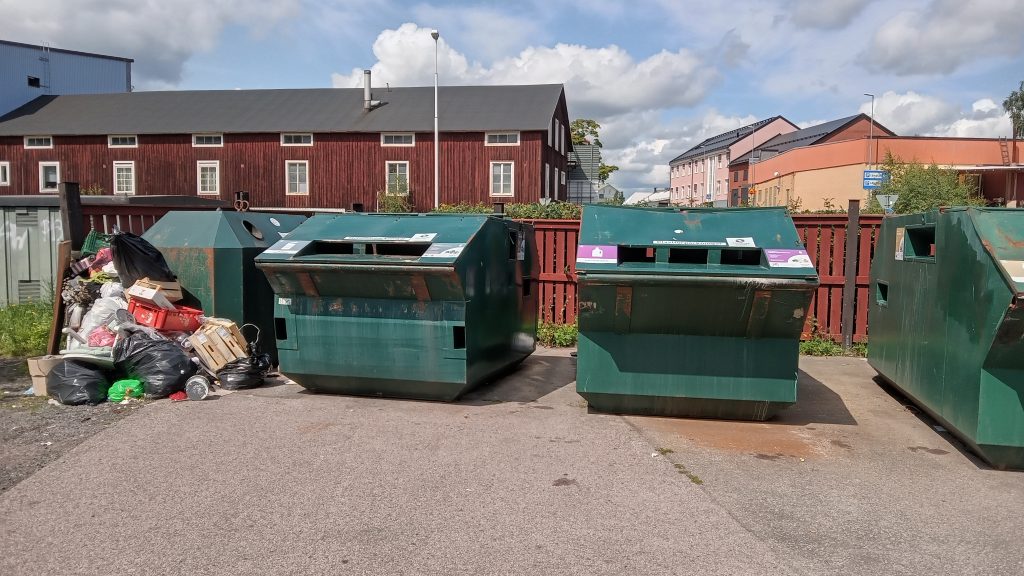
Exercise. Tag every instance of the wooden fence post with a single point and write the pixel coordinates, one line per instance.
(71, 214)
(850, 286)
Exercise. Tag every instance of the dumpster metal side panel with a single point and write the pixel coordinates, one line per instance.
(947, 329)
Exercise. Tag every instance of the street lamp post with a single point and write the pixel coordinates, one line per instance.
(437, 151)
(871, 131)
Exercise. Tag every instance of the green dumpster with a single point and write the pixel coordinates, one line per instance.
(947, 322)
(690, 312)
(213, 254)
(419, 306)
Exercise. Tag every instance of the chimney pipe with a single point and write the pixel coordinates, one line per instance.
(366, 90)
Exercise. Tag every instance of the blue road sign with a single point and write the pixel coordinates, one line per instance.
(873, 179)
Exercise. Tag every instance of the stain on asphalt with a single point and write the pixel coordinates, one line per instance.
(935, 451)
(772, 457)
(842, 444)
(566, 482)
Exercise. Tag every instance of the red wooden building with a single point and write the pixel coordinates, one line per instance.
(319, 148)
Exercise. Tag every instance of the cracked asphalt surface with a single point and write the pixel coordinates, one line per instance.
(517, 477)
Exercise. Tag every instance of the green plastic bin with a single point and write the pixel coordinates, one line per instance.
(420, 306)
(691, 312)
(947, 322)
(213, 254)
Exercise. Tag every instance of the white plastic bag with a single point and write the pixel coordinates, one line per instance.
(112, 290)
(100, 312)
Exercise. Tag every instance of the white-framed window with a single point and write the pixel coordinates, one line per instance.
(38, 141)
(397, 139)
(124, 178)
(49, 176)
(122, 141)
(208, 177)
(397, 178)
(561, 176)
(296, 139)
(551, 134)
(501, 139)
(207, 140)
(297, 177)
(547, 180)
(502, 178)
(561, 137)
(5, 173)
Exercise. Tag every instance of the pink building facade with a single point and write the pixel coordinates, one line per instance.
(701, 174)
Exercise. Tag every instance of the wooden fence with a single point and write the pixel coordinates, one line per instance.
(824, 236)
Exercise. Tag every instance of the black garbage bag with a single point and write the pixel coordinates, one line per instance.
(135, 258)
(244, 372)
(160, 365)
(75, 382)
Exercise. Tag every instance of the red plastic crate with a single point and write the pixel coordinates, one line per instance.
(181, 319)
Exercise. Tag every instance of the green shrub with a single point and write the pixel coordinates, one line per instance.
(557, 335)
(25, 328)
(518, 211)
(818, 346)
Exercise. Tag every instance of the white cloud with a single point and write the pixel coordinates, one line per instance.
(599, 81)
(945, 35)
(913, 114)
(828, 14)
(160, 36)
(484, 31)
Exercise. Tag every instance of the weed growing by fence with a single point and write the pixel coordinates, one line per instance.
(532, 211)
(557, 335)
(25, 328)
(820, 346)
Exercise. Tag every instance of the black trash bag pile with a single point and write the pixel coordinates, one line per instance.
(135, 258)
(160, 365)
(75, 382)
(244, 373)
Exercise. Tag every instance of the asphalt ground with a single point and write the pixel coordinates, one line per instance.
(518, 477)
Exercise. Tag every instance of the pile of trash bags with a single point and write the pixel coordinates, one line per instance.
(130, 336)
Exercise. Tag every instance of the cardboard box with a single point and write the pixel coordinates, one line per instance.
(172, 290)
(230, 327)
(150, 295)
(38, 368)
(207, 351)
(216, 347)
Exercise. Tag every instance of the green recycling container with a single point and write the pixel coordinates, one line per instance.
(947, 322)
(213, 254)
(691, 312)
(421, 306)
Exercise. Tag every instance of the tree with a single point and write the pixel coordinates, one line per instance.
(1014, 106)
(604, 171)
(585, 131)
(920, 188)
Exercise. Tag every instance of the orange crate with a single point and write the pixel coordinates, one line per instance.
(181, 319)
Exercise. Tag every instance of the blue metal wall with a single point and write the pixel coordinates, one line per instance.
(60, 72)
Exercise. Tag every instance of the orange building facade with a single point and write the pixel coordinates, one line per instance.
(829, 174)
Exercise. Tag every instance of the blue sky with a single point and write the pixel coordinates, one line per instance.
(659, 75)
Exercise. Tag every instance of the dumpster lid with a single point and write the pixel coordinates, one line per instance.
(691, 241)
(221, 229)
(1002, 234)
(363, 238)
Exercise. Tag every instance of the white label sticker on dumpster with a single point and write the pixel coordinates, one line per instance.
(746, 242)
(423, 237)
(284, 301)
(788, 258)
(900, 233)
(442, 250)
(592, 254)
(688, 243)
(1015, 268)
(287, 247)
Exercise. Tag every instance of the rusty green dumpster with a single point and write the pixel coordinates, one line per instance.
(946, 322)
(421, 306)
(691, 312)
(213, 254)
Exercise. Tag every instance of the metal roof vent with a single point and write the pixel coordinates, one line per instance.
(368, 102)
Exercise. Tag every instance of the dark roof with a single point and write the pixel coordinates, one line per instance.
(807, 136)
(461, 109)
(723, 140)
(63, 51)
